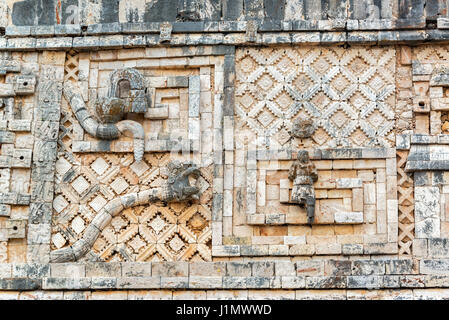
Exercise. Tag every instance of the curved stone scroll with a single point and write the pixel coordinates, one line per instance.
(177, 189)
(302, 128)
(106, 131)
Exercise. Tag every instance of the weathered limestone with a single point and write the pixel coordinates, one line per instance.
(178, 189)
(106, 105)
(106, 131)
(303, 174)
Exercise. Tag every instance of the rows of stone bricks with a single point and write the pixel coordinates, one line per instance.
(303, 274)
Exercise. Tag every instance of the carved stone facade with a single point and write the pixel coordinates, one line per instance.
(228, 150)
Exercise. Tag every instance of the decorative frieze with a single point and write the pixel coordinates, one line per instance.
(218, 131)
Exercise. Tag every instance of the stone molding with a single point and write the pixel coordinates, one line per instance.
(303, 274)
(27, 43)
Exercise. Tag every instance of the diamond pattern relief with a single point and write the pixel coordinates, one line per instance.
(176, 243)
(343, 90)
(265, 82)
(158, 224)
(406, 205)
(431, 53)
(265, 118)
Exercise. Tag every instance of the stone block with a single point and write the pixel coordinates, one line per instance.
(31, 270)
(352, 249)
(337, 268)
(236, 269)
(302, 250)
(176, 282)
(136, 269)
(264, 269)
(284, 268)
(232, 250)
(234, 282)
(427, 211)
(67, 270)
(170, 269)
(205, 282)
(368, 282)
(5, 270)
(400, 266)
(328, 248)
(66, 283)
(412, 281)
(263, 282)
(325, 282)
(419, 248)
(348, 183)
(438, 248)
(138, 282)
(19, 284)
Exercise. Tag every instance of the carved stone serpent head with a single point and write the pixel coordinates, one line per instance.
(179, 181)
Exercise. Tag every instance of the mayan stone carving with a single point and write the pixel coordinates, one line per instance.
(177, 189)
(302, 128)
(289, 149)
(303, 173)
(126, 94)
(348, 93)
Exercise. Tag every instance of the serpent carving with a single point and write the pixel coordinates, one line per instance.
(176, 189)
(303, 173)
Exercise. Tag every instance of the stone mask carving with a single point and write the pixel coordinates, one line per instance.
(178, 188)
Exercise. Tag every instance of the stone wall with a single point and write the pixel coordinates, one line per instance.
(147, 147)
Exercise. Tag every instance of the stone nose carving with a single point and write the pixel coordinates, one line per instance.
(302, 128)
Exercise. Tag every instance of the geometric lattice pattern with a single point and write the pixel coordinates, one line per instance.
(349, 93)
(85, 183)
(406, 205)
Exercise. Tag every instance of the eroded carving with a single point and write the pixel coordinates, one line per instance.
(108, 130)
(165, 32)
(179, 187)
(302, 128)
(303, 173)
